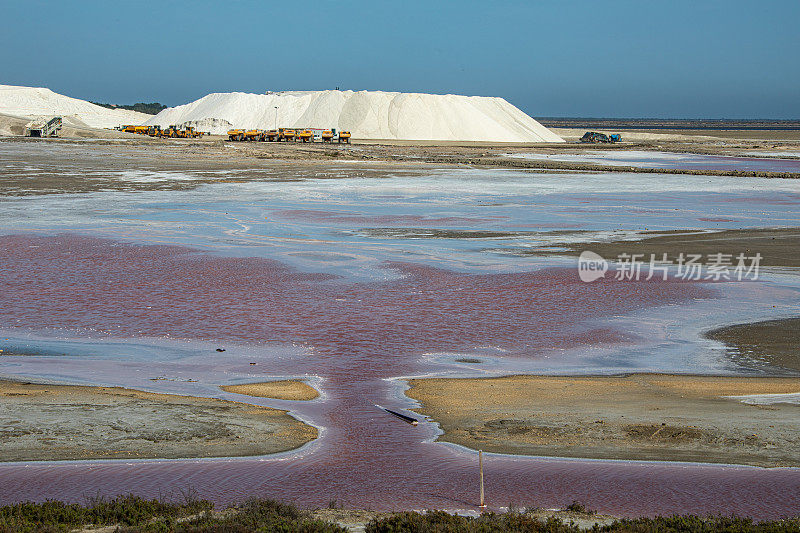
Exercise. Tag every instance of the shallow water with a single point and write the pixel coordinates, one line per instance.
(681, 161)
(306, 279)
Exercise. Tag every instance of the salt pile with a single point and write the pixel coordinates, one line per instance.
(35, 102)
(367, 115)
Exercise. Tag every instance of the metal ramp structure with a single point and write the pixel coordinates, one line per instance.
(43, 127)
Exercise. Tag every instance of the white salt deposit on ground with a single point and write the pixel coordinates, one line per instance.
(778, 154)
(368, 115)
(35, 102)
(768, 399)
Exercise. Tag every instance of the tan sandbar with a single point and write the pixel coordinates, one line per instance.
(640, 416)
(289, 389)
(60, 422)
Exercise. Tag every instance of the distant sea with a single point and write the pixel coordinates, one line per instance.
(669, 124)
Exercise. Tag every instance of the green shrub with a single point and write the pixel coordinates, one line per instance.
(698, 524)
(253, 515)
(59, 516)
(577, 507)
(441, 522)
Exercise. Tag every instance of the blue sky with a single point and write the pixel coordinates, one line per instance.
(618, 58)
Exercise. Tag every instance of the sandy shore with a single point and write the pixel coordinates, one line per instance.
(767, 346)
(777, 246)
(290, 389)
(641, 416)
(60, 422)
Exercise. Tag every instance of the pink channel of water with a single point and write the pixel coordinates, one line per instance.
(361, 333)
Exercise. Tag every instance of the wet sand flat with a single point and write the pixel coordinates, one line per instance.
(771, 343)
(290, 389)
(64, 422)
(635, 417)
(777, 246)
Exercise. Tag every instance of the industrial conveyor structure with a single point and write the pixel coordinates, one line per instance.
(43, 127)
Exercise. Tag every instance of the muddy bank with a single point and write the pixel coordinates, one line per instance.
(639, 417)
(767, 346)
(290, 389)
(61, 422)
(58, 166)
(292, 161)
(778, 246)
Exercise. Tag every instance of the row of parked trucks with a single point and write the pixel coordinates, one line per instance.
(281, 134)
(290, 135)
(175, 132)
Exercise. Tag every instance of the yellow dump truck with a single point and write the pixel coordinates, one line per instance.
(305, 136)
(254, 135)
(327, 136)
(286, 134)
(344, 137)
(236, 135)
(272, 135)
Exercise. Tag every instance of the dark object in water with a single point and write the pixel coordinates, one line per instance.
(401, 416)
(220, 349)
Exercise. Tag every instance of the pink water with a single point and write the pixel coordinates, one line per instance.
(358, 334)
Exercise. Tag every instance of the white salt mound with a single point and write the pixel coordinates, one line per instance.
(34, 102)
(368, 115)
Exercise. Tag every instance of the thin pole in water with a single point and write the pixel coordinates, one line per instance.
(480, 463)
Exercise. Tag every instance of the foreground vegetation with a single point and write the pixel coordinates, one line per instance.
(438, 521)
(126, 510)
(131, 514)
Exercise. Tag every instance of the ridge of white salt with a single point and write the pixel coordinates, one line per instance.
(368, 115)
(34, 102)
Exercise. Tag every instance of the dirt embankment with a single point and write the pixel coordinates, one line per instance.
(641, 416)
(60, 422)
